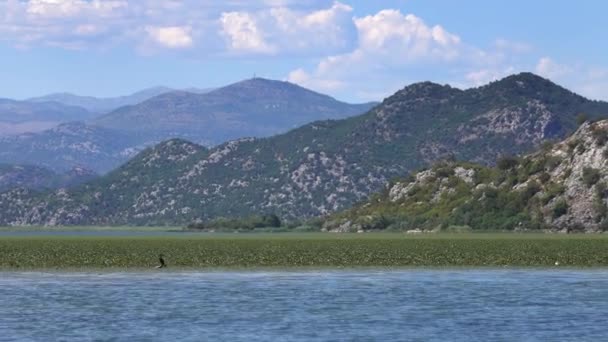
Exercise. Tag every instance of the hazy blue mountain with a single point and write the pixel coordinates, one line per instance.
(22, 116)
(321, 167)
(70, 145)
(39, 178)
(252, 108)
(104, 105)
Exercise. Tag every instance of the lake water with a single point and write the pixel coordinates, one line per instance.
(360, 305)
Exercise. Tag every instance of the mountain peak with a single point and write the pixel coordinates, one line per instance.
(423, 90)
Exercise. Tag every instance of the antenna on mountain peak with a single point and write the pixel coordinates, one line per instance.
(255, 76)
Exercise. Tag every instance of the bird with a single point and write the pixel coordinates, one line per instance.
(162, 262)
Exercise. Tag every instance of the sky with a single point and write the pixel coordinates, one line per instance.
(355, 51)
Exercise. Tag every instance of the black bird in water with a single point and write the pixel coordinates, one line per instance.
(162, 262)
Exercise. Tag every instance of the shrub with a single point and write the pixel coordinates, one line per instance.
(444, 171)
(600, 135)
(572, 144)
(600, 190)
(507, 162)
(600, 209)
(544, 177)
(560, 208)
(547, 145)
(580, 149)
(552, 162)
(581, 118)
(590, 176)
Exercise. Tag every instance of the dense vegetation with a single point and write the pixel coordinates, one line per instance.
(236, 224)
(310, 250)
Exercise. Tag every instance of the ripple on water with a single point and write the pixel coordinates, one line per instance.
(456, 305)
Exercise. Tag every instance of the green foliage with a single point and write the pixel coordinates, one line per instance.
(573, 144)
(581, 118)
(560, 208)
(253, 222)
(600, 209)
(507, 162)
(590, 176)
(600, 135)
(544, 177)
(301, 250)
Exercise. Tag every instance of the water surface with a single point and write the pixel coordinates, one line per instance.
(370, 305)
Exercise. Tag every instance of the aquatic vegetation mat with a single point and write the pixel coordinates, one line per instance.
(314, 250)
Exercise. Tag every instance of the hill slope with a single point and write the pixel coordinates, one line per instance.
(321, 167)
(22, 116)
(251, 108)
(562, 187)
(38, 178)
(70, 145)
(104, 105)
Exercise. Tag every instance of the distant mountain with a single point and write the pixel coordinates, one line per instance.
(38, 178)
(70, 145)
(255, 108)
(252, 108)
(104, 105)
(318, 168)
(563, 186)
(21, 116)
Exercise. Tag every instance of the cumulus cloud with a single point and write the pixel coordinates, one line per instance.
(173, 37)
(239, 27)
(242, 33)
(387, 40)
(284, 30)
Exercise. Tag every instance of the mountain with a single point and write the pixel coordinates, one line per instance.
(561, 187)
(21, 116)
(255, 107)
(319, 168)
(104, 105)
(251, 108)
(38, 178)
(70, 145)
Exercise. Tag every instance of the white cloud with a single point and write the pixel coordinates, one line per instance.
(242, 33)
(485, 76)
(281, 30)
(173, 37)
(548, 68)
(238, 27)
(589, 81)
(72, 8)
(388, 42)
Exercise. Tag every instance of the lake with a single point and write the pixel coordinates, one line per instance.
(327, 305)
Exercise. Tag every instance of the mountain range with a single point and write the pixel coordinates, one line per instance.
(103, 105)
(321, 167)
(251, 108)
(22, 116)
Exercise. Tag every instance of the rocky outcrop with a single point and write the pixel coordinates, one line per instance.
(562, 187)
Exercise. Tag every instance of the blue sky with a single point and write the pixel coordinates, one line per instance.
(353, 50)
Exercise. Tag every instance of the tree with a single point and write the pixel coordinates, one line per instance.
(507, 162)
(581, 118)
(271, 220)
